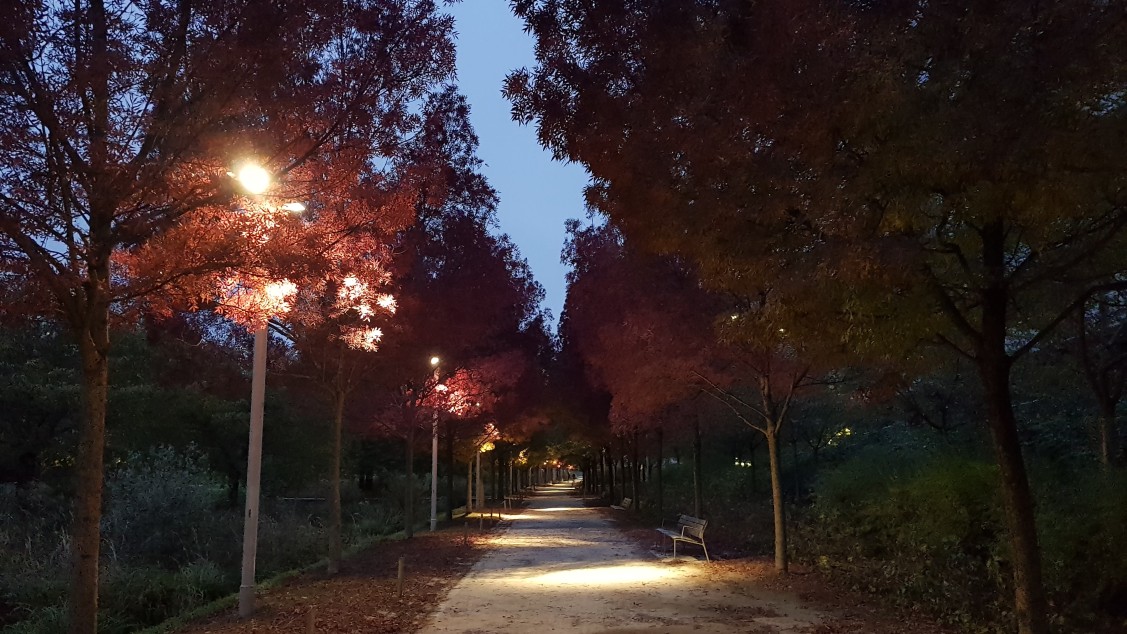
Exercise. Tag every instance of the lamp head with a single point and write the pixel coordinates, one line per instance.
(254, 178)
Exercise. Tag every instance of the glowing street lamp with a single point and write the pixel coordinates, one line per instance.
(255, 180)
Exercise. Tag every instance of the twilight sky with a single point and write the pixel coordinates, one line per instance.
(537, 194)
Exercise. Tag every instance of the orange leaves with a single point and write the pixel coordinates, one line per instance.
(251, 303)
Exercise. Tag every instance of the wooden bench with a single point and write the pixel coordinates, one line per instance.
(626, 502)
(689, 529)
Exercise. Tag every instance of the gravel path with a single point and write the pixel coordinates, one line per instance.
(560, 567)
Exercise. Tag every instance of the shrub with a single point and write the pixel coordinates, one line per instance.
(1081, 522)
(154, 501)
(926, 534)
(929, 533)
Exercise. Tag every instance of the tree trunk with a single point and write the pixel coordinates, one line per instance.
(409, 483)
(1109, 435)
(634, 475)
(494, 463)
(754, 470)
(777, 500)
(794, 461)
(89, 471)
(610, 479)
(698, 479)
(469, 489)
(660, 465)
(1030, 604)
(480, 484)
(449, 473)
(994, 364)
(334, 485)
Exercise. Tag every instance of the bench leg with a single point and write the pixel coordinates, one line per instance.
(705, 552)
(675, 549)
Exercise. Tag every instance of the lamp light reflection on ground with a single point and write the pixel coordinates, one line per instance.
(536, 541)
(626, 574)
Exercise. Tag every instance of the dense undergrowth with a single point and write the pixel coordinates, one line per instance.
(923, 529)
(170, 543)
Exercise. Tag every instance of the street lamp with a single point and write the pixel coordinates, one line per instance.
(255, 180)
(434, 361)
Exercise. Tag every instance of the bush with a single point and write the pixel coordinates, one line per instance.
(154, 502)
(169, 547)
(134, 597)
(929, 532)
(1081, 520)
(925, 533)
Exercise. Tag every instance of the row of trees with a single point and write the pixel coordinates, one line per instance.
(878, 183)
(123, 125)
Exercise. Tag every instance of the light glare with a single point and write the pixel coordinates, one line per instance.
(254, 178)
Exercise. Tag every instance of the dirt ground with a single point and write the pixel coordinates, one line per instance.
(365, 596)
(555, 566)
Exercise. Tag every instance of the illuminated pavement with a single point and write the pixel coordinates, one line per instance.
(560, 567)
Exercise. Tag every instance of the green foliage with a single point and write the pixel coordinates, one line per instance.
(923, 532)
(170, 548)
(135, 597)
(154, 502)
(1082, 520)
(925, 528)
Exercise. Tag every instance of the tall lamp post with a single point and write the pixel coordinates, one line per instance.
(255, 180)
(254, 473)
(434, 361)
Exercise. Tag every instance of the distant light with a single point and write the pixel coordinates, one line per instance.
(434, 360)
(735, 317)
(254, 178)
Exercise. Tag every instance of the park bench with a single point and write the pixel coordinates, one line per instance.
(626, 502)
(689, 529)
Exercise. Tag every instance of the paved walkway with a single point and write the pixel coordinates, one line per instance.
(560, 567)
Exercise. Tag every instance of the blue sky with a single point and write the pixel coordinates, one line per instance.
(537, 193)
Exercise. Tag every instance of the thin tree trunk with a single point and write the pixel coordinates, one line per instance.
(634, 475)
(89, 470)
(754, 470)
(494, 461)
(660, 467)
(334, 485)
(1030, 602)
(777, 500)
(794, 461)
(449, 474)
(610, 480)
(409, 483)
(698, 478)
(1109, 440)
(480, 484)
(469, 489)
(89, 313)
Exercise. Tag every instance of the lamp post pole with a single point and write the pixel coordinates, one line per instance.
(434, 473)
(255, 180)
(434, 454)
(254, 472)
